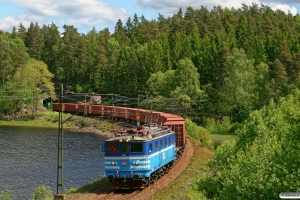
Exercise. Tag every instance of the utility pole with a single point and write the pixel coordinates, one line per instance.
(151, 109)
(138, 114)
(85, 109)
(60, 154)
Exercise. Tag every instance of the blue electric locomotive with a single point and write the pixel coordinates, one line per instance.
(134, 158)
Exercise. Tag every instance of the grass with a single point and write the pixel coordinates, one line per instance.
(28, 123)
(99, 187)
(44, 119)
(221, 138)
(218, 139)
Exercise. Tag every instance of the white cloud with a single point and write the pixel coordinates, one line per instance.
(168, 7)
(79, 13)
(284, 7)
(171, 7)
(6, 23)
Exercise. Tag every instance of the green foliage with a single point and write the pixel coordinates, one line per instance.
(100, 185)
(220, 127)
(72, 191)
(197, 132)
(6, 195)
(241, 113)
(181, 84)
(204, 186)
(29, 83)
(263, 161)
(186, 78)
(297, 23)
(106, 126)
(43, 193)
(161, 83)
(239, 82)
(79, 88)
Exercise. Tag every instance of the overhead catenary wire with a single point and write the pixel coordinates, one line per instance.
(142, 101)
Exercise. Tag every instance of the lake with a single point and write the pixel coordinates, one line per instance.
(28, 159)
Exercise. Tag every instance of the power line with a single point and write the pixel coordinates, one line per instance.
(7, 91)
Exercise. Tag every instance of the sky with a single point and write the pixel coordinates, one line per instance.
(100, 14)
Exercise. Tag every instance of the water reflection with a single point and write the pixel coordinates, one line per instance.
(28, 159)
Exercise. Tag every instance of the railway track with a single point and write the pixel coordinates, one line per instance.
(147, 193)
(119, 195)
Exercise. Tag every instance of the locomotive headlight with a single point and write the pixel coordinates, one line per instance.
(136, 162)
(112, 163)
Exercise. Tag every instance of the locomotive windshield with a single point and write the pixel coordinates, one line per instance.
(112, 148)
(136, 147)
(124, 147)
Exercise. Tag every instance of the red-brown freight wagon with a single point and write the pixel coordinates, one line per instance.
(120, 112)
(96, 110)
(179, 128)
(71, 108)
(56, 107)
(166, 117)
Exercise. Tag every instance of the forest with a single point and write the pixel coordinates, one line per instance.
(214, 63)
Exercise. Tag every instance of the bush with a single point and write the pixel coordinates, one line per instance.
(197, 132)
(224, 127)
(43, 193)
(264, 160)
(72, 191)
(106, 126)
(6, 195)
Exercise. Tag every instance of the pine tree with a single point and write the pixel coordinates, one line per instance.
(35, 41)
(22, 32)
(279, 75)
(52, 40)
(6, 66)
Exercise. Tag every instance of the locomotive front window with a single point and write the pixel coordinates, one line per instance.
(124, 147)
(112, 148)
(136, 147)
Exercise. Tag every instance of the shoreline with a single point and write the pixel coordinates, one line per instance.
(99, 126)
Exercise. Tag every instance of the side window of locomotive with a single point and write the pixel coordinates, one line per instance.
(150, 147)
(112, 148)
(136, 147)
(124, 147)
(160, 142)
(156, 144)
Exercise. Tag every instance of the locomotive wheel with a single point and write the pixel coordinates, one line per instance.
(148, 182)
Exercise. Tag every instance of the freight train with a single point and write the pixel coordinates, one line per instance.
(136, 157)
